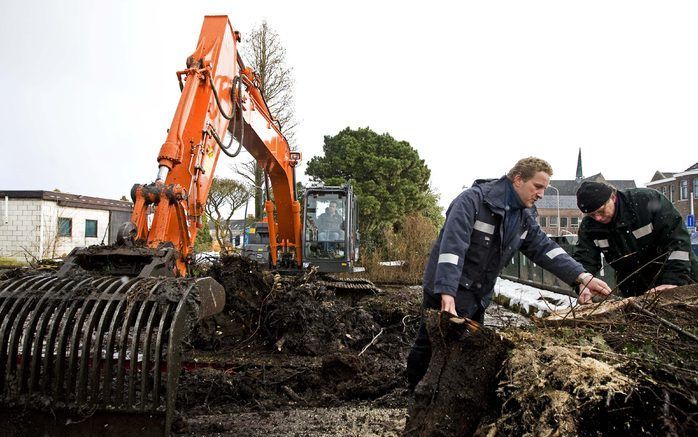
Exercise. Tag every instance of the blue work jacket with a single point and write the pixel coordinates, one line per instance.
(473, 247)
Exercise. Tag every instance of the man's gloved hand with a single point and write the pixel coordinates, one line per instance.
(590, 286)
(448, 304)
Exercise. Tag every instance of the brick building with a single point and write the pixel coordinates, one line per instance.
(557, 211)
(679, 187)
(46, 224)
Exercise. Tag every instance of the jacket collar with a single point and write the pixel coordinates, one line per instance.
(495, 191)
(624, 214)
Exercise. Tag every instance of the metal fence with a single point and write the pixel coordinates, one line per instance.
(523, 270)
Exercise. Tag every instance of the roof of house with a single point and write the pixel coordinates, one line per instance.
(668, 176)
(659, 175)
(71, 200)
(550, 202)
(568, 191)
(570, 187)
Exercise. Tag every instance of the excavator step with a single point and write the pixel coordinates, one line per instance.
(94, 350)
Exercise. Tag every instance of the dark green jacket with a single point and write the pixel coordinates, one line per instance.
(646, 243)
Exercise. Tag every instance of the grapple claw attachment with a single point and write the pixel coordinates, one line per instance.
(97, 353)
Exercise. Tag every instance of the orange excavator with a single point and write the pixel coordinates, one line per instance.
(98, 344)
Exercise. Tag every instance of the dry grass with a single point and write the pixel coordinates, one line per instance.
(411, 245)
(9, 263)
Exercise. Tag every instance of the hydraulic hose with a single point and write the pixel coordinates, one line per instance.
(213, 133)
(223, 147)
(232, 97)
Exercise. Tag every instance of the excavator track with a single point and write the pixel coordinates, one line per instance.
(102, 354)
(348, 284)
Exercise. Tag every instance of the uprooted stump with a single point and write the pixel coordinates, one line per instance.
(621, 367)
(625, 367)
(457, 390)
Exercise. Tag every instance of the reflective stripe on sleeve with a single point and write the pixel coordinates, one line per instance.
(555, 252)
(484, 227)
(643, 231)
(680, 255)
(448, 258)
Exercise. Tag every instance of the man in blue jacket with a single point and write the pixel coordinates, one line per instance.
(485, 226)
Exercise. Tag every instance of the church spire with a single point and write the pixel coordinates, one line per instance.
(580, 174)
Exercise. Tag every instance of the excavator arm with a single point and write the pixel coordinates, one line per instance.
(218, 94)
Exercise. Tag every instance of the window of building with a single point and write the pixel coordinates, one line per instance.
(65, 227)
(553, 221)
(563, 222)
(695, 188)
(683, 191)
(575, 222)
(91, 228)
(662, 190)
(543, 221)
(671, 193)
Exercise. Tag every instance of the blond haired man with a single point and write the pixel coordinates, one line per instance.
(485, 226)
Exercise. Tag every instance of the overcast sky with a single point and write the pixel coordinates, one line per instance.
(89, 88)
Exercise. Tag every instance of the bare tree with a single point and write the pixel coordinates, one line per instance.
(266, 55)
(224, 198)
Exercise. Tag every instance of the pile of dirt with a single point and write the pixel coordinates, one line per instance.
(286, 341)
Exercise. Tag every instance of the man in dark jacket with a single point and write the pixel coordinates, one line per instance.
(485, 226)
(641, 235)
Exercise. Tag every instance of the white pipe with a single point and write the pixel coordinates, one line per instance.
(557, 192)
(7, 210)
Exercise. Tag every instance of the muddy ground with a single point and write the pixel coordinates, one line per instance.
(289, 357)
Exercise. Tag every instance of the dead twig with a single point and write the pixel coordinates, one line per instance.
(292, 394)
(372, 341)
(664, 321)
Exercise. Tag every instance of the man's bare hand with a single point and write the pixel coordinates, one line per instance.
(448, 304)
(662, 287)
(585, 296)
(590, 287)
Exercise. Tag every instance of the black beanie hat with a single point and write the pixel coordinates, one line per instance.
(592, 195)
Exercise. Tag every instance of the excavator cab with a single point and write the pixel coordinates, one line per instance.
(255, 244)
(330, 236)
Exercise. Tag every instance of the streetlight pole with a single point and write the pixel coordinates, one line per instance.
(557, 192)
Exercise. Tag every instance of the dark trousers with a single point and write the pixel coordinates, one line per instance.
(420, 355)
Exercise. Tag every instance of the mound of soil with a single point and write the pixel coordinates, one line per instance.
(287, 342)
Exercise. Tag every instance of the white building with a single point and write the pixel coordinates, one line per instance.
(46, 224)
